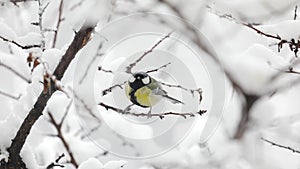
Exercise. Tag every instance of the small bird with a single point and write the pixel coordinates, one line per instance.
(145, 91)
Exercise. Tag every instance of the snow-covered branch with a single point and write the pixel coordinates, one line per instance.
(15, 161)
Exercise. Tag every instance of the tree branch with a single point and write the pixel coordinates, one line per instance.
(91, 62)
(108, 90)
(9, 95)
(15, 72)
(243, 123)
(14, 150)
(157, 69)
(19, 45)
(60, 10)
(160, 115)
(130, 66)
(62, 138)
(55, 164)
(293, 44)
(192, 91)
(295, 12)
(281, 146)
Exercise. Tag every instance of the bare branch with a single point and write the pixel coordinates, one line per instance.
(157, 69)
(127, 143)
(15, 2)
(90, 111)
(291, 71)
(15, 72)
(40, 23)
(192, 91)
(160, 115)
(91, 131)
(105, 153)
(19, 45)
(65, 113)
(62, 138)
(108, 90)
(60, 10)
(55, 164)
(293, 44)
(92, 61)
(130, 66)
(295, 12)
(100, 68)
(281, 146)
(251, 26)
(9, 95)
(76, 5)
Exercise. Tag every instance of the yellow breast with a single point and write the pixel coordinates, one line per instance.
(143, 96)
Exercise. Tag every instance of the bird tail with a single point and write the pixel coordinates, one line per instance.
(173, 100)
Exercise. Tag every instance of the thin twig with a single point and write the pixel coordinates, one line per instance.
(281, 146)
(55, 164)
(295, 12)
(19, 45)
(9, 95)
(293, 44)
(157, 69)
(127, 143)
(63, 140)
(192, 91)
(40, 23)
(191, 29)
(108, 90)
(289, 71)
(100, 68)
(91, 62)
(105, 153)
(160, 115)
(15, 72)
(251, 26)
(17, 1)
(65, 113)
(90, 111)
(91, 131)
(60, 10)
(130, 66)
(76, 5)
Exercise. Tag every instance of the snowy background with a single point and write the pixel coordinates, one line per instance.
(251, 93)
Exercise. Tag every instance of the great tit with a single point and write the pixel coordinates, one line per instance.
(145, 91)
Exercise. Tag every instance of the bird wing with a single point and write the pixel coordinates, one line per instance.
(157, 90)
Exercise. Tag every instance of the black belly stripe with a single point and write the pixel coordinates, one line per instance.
(133, 98)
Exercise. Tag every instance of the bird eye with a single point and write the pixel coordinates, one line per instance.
(146, 80)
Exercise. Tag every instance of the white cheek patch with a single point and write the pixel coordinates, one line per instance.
(146, 80)
(132, 79)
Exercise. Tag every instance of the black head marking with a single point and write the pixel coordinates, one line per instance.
(139, 80)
